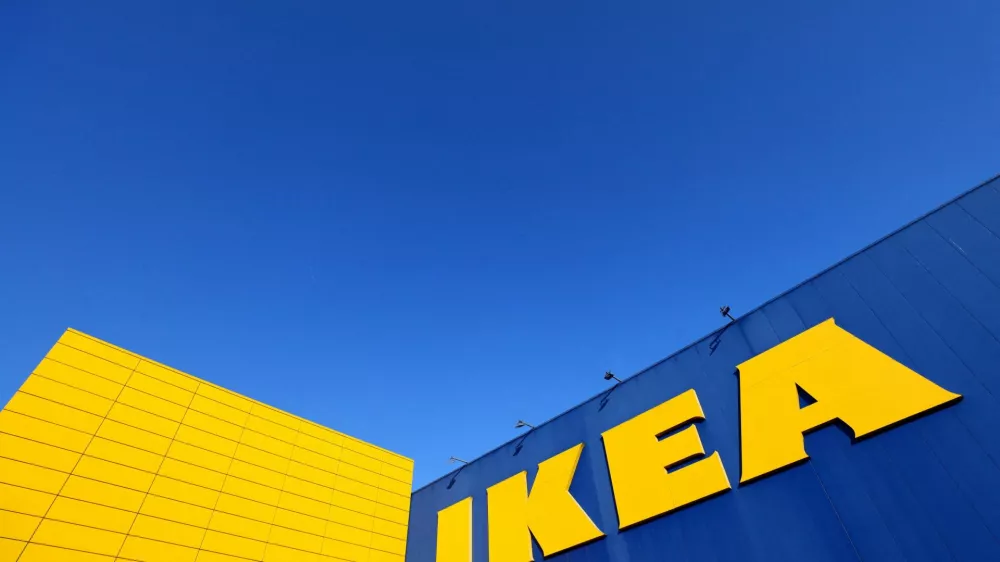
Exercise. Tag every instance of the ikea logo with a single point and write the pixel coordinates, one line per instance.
(851, 381)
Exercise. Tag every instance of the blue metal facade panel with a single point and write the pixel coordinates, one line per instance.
(929, 296)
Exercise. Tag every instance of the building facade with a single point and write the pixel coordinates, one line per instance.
(106, 455)
(854, 417)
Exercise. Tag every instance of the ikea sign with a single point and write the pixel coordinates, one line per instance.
(850, 380)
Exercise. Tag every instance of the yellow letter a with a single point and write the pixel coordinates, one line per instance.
(550, 513)
(850, 380)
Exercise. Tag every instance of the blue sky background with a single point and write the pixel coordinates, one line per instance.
(417, 222)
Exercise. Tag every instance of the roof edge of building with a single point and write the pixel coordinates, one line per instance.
(721, 328)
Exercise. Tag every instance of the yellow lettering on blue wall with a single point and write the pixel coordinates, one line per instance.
(454, 532)
(639, 462)
(850, 380)
(549, 513)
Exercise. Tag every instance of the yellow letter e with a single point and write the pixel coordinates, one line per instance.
(639, 462)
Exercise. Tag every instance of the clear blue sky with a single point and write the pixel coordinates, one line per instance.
(417, 222)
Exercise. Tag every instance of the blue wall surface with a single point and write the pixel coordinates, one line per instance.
(929, 296)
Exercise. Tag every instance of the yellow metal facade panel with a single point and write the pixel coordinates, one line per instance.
(108, 456)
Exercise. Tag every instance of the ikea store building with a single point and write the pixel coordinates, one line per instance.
(855, 417)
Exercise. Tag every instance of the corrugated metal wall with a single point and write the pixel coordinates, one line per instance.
(929, 296)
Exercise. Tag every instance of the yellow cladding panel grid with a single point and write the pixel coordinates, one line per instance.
(109, 456)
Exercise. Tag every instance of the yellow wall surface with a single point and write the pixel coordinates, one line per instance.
(106, 455)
